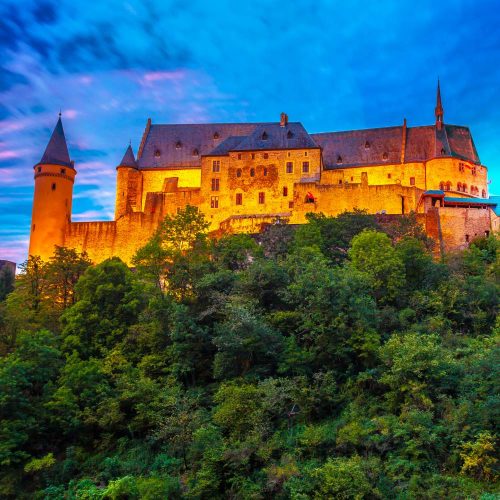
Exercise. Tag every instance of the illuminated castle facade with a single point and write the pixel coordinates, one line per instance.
(243, 176)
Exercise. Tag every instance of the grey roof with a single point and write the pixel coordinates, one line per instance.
(274, 136)
(56, 151)
(128, 159)
(230, 144)
(473, 201)
(379, 145)
(183, 145)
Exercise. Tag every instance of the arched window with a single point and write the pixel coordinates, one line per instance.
(54, 186)
(265, 172)
(178, 145)
(252, 172)
(216, 135)
(459, 186)
(238, 172)
(448, 186)
(309, 198)
(339, 159)
(385, 157)
(441, 186)
(465, 188)
(264, 136)
(367, 145)
(483, 193)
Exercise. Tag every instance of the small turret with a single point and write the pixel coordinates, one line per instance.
(439, 111)
(128, 184)
(53, 196)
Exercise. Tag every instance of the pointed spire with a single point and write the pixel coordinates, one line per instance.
(56, 151)
(128, 158)
(439, 111)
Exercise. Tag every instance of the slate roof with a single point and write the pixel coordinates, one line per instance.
(128, 159)
(56, 151)
(383, 145)
(184, 145)
(469, 201)
(496, 200)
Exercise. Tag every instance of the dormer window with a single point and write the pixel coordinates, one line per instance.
(216, 135)
(63, 171)
(39, 169)
(157, 153)
(178, 145)
(385, 157)
(289, 134)
(367, 145)
(443, 151)
(195, 152)
(339, 160)
(264, 136)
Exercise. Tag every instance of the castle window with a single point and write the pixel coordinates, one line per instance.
(305, 167)
(309, 198)
(459, 186)
(290, 204)
(215, 185)
(216, 135)
(214, 202)
(483, 193)
(264, 136)
(486, 233)
(412, 181)
(285, 191)
(389, 176)
(253, 156)
(238, 172)
(265, 172)
(467, 238)
(262, 197)
(367, 145)
(441, 186)
(288, 154)
(289, 167)
(63, 171)
(448, 186)
(34, 226)
(352, 178)
(461, 167)
(157, 153)
(239, 199)
(385, 157)
(339, 159)
(474, 171)
(252, 172)
(178, 145)
(39, 169)
(195, 152)
(266, 156)
(305, 153)
(340, 181)
(239, 156)
(53, 186)
(216, 166)
(289, 135)
(465, 188)
(443, 151)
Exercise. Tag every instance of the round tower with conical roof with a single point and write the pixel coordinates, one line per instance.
(53, 197)
(127, 184)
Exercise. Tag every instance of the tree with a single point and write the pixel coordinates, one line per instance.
(6, 282)
(63, 272)
(372, 254)
(236, 252)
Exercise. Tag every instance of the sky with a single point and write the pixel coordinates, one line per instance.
(333, 65)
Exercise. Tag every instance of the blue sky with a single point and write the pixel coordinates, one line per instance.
(333, 65)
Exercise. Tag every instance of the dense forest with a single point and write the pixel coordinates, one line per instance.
(337, 359)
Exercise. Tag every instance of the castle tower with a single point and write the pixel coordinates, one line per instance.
(127, 184)
(439, 111)
(52, 200)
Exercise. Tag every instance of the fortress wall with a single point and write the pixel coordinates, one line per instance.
(335, 199)
(271, 177)
(95, 238)
(385, 175)
(447, 169)
(153, 180)
(456, 223)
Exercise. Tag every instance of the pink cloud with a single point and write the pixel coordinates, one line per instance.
(6, 154)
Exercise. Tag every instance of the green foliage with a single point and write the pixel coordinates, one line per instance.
(333, 360)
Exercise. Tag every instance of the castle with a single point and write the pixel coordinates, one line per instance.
(245, 175)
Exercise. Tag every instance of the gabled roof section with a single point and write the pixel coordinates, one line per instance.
(461, 143)
(184, 145)
(270, 136)
(230, 144)
(128, 159)
(360, 147)
(56, 151)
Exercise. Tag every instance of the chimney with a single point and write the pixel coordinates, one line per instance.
(283, 119)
